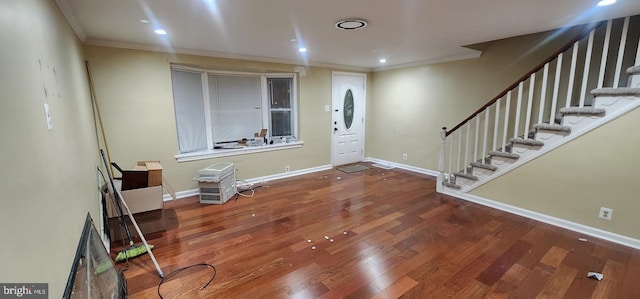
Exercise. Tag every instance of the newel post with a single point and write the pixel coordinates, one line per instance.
(443, 140)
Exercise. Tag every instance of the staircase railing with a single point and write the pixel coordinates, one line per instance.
(598, 57)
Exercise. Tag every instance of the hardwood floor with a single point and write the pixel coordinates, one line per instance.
(389, 235)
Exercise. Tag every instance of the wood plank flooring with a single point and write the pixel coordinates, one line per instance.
(377, 234)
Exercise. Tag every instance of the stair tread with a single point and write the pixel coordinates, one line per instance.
(582, 111)
(484, 166)
(504, 155)
(451, 185)
(552, 127)
(529, 142)
(634, 70)
(620, 91)
(466, 176)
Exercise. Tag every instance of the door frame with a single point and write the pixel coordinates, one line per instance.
(363, 107)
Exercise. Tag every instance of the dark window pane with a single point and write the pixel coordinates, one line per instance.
(280, 92)
(348, 109)
(281, 123)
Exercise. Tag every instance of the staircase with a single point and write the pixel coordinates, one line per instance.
(547, 107)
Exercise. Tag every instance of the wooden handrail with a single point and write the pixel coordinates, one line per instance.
(551, 57)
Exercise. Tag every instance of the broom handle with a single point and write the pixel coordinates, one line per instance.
(135, 224)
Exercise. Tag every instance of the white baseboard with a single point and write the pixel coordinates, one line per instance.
(182, 194)
(580, 228)
(283, 175)
(430, 172)
(193, 192)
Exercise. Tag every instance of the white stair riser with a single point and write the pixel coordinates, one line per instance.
(451, 189)
(578, 121)
(524, 150)
(550, 136)
(635, 81)
(481, 172)
(464, 181)
(500, 161)
(612, 103)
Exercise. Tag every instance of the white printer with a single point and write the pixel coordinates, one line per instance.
(217, 183)
(215, 172)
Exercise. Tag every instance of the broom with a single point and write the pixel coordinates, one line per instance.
(133, 250)
(147, 247)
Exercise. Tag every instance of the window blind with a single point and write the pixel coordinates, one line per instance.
(189, 109)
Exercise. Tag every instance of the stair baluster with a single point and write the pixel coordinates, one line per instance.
(585, 73)
(495, 156)
(623, 44)
(527, 122)
(556, 90)
(605, 53)
(543, 93)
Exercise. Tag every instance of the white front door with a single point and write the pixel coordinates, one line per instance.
(347, 121)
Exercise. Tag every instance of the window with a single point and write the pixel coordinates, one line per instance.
(217, 109)
(280, 106)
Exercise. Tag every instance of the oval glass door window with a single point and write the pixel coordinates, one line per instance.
(347, 112)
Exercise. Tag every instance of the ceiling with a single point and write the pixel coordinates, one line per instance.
(404, 32)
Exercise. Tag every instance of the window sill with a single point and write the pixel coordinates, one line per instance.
(218, 153)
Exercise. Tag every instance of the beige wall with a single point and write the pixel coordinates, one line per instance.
(50, 182)
(409, 106)
(575, 180)
(48, 178)
(134, 92)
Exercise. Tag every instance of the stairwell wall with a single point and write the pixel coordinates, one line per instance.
(409, 106)
(575, 180)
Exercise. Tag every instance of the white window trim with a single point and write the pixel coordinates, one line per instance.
(266, 115)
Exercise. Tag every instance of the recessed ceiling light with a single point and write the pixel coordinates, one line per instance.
(302, 50)
(160, 32)
(144, 21)
(606, 2)
(293, 40)
(351, 24)
(383, 60)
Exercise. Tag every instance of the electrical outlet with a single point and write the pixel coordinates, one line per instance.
(287, 168)
(404, 157)
(605, 213)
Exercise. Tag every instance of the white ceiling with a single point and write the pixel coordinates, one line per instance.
(405, 32)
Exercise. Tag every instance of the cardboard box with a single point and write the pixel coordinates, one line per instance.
(141, 188)
(154, 170)
(149, 222)
(144, 174)
(138, 200)
(134, 179)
